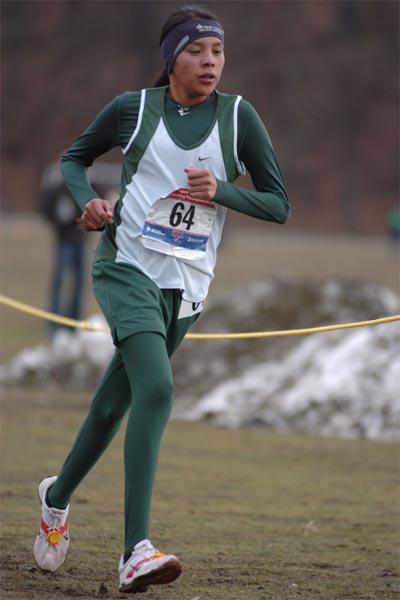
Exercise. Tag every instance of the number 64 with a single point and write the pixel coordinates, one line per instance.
(178, 216)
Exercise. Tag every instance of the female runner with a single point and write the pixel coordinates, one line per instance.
(183, 145)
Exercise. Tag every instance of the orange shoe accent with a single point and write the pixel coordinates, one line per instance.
(53, 536)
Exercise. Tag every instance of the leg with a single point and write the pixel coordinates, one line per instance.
(110, 403)
(148, 368)
(78, 263)
(98, 429)
(57, 281)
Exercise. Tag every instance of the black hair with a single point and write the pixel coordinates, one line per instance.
(186, 13)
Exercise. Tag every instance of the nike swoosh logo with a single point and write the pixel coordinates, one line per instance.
(204, 157)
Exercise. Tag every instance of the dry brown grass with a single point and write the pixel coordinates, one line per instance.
(252, 515)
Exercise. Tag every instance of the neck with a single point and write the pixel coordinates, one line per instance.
(182, 98)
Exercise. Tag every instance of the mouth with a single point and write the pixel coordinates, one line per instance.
(207, 78)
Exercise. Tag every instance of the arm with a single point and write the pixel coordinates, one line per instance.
(112, 127)
(98, 138)
(269, 201)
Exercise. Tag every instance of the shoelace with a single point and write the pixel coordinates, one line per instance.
(145, 554)
(147, 549)
(55, 519)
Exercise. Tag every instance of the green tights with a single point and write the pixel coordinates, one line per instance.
(141, 364)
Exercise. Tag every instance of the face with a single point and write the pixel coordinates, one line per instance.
(197, 71)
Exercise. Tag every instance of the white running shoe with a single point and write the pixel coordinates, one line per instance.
(146, 566)
(52, 541)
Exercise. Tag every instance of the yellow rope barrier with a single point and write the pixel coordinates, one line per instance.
(266, 334)
(37, 312)
(193, 336)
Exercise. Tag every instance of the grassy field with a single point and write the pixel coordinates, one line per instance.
(252, 515)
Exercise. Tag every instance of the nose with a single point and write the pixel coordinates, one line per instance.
(208, 59)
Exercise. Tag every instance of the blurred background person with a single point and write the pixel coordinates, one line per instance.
(67, 284)
(68, 278)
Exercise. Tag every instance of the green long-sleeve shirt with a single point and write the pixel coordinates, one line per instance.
(114, 124)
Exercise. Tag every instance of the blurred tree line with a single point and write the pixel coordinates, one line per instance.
(323, 74)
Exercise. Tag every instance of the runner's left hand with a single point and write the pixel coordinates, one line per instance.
(202, 184)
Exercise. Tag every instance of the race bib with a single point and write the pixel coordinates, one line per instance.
(179, 225)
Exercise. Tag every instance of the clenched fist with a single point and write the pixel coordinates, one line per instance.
(96, 214)
(202, 184)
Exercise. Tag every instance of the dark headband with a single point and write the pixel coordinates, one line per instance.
(186, 33)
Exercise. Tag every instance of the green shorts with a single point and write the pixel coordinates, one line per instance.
(133, 303)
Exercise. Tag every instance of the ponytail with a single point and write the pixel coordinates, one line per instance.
(162, 79)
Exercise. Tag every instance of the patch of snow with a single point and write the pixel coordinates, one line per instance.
(341, 383)
(76, 356)
(333, 384)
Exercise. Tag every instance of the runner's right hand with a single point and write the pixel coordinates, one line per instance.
(96, 214)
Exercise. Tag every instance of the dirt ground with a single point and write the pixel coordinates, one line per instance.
(251, 515)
